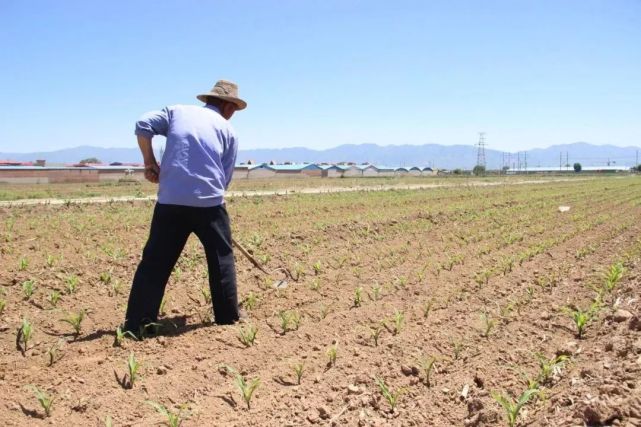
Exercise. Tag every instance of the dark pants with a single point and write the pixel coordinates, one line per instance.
(170, 227)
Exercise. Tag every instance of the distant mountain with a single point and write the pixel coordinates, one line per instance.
(441, 156)
(73, 155)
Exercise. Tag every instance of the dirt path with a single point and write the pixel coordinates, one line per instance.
(284, 192)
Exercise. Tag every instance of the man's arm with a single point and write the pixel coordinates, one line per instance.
(229, 159)
(152, 170)
(149, 125)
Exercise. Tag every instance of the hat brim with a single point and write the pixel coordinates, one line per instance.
(240, 104)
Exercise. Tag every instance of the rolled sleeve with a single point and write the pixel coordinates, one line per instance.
(153, 123)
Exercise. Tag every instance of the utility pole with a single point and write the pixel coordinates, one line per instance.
(480, 153)
(525, 154)
(560, 161)
(567, 160)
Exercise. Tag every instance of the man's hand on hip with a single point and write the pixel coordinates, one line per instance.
(152, 172)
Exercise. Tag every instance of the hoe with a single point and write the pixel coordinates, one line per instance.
(278, 284)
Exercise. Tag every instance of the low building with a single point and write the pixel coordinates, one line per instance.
(333, 171)
(428, 171)
(297, 170)
(253, 171)
(401, 171)
(567, 170)
(352, 171)
(118, 173)
(385, 170)
(368, 170)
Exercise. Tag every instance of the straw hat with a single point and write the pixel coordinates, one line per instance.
(225, 90)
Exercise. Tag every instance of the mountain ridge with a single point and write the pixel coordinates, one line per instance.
(435, 155)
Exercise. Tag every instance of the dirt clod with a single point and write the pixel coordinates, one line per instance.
(323, 412)
(635, 323)
(599, 413)
(621, 315)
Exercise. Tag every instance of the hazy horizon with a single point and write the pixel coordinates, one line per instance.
(487, 146)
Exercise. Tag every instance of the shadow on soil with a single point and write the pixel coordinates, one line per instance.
(30, 412)
(169, 326)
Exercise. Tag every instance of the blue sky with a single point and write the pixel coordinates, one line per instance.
(324, 73)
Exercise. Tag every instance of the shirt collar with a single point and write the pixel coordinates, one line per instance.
(212, 107)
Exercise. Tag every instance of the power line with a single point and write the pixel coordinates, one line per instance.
(480, 153)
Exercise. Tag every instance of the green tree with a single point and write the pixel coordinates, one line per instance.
(90, 160)
(577, 167)
(478, 170)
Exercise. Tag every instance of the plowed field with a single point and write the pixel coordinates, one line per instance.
(485, 282)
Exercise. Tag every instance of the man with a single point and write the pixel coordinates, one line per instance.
(194, 173)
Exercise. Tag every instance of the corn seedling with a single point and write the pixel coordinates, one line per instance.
(323, 311)
(288, 318)
(25, 332)
(28, 288)
(375, 332)
(511, 407)
(172, 419)
(247, 335)
(53, 298)
(581, 318)
(153, 328)
(376, 292)
(391, 397)
(487, 324)
(246, 388)
(613, 276)
(427, 307)
(550, 367)
(299, 368)
(506, 310)
(108, 421)
(23, 264)
(50, 261)
(331, 353)
(206, 294)
(133, 366)
(105, 278)
(529, 291)
(72, 284)
(45, 400)
(163, 306)
(75, 320)
(205, 316)
(398, 319)
(295, 319)
(116, 287)
(457, 348)
(120, 336)
(317, 267)
(3, 304)
(256, 240)
(427, 365)
(251, 301)
(358, 297)
(483, 277)
(299, 271)
(53, 353)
